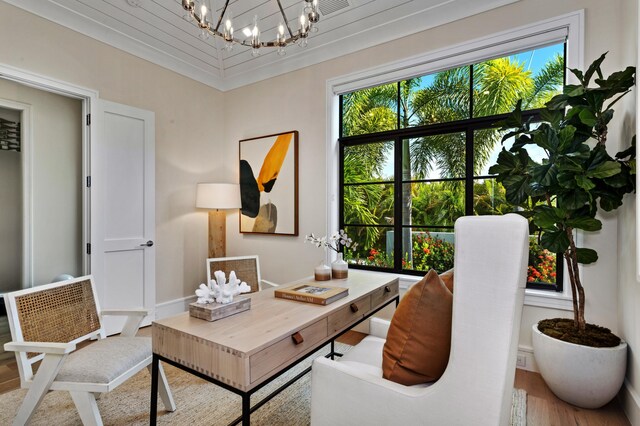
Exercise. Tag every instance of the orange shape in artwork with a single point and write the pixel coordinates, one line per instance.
(273, 162)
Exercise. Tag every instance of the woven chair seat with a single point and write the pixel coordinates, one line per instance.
(114, 356)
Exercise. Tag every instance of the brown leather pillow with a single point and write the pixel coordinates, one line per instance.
(447, 279)
(419, 338)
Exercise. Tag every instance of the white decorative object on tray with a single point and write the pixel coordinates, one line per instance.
(220, 290)
(205, 295)
(223, 290)
(215, 301)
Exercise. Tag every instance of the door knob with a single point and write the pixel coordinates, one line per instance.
(147, 244)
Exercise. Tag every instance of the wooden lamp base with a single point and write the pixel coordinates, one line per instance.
(217, 233)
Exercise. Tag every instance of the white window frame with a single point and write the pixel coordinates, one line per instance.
(569, 27)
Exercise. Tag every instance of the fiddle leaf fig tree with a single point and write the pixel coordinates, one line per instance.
(563, 192)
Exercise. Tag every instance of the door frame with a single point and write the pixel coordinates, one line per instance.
(89, 98)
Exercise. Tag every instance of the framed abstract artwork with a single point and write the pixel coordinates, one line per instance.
(269, 184)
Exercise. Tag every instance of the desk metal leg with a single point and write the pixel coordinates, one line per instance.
(153, 414)
(246, 409)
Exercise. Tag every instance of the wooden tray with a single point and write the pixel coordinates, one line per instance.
(216, 311)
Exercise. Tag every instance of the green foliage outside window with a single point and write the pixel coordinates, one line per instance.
(433, 166)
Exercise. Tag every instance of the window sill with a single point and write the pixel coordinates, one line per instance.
(537, 298)
(548, 299)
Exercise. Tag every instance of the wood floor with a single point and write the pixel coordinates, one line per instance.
(543, 408)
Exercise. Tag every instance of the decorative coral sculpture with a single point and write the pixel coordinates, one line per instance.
(224, 291)
(205, 295)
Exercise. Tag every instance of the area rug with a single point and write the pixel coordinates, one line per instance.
(199, 402)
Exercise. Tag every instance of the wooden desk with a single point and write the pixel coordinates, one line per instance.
(244, 352)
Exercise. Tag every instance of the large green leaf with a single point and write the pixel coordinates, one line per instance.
(572, 200)
(617, 181)
(587, 117)
(605, 170)
(594, 67)
(586, 255)
(507, 163)
(585, 223)
(516, 188)
(545, 174)
(567, 179)
(555, 241)
(547, 216)
(608, 200)
(520, 141)
(546, 138)
(566, 138)
(585, 183)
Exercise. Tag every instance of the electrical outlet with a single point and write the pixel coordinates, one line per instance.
(521, 361)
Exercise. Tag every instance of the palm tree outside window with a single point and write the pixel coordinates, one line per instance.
(415, 154)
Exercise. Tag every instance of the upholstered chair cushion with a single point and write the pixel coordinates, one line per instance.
(419, 338)
(114, 356)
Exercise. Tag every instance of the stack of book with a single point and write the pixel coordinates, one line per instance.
(312, 293)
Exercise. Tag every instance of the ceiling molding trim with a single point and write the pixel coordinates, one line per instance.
(447, 11)
(61, 15)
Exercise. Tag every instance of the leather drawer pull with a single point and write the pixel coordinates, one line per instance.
(387, 289)
(297, 338)
(354, 308)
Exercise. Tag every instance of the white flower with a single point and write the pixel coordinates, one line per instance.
(334, 242)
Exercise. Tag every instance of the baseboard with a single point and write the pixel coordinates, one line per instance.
(173, 307)
(526, 360)
(630, 401)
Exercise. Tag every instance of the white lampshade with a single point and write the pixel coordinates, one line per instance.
(218, 196)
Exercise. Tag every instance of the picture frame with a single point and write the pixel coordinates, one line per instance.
(269, 184)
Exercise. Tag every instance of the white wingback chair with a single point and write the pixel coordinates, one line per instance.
(476, 387)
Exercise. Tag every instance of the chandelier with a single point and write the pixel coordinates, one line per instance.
(202, 16)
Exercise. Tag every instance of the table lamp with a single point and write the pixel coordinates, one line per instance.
(218, 197)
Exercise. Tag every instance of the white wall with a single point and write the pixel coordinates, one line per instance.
(56, 170)
(10, 213)
(629, 285)
(296, 101)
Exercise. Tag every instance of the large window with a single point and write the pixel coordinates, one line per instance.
(415, 154)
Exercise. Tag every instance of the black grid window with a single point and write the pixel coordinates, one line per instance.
(415, 154)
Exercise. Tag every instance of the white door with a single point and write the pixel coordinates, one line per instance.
(123, 205)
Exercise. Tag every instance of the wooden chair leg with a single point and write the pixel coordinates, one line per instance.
(164, 390)
(48, 370)
(87, 408)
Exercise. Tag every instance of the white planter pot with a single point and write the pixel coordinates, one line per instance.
(580, 375)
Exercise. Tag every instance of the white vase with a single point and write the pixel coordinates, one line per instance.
(322, 272)
(339, 268)
(581, 375)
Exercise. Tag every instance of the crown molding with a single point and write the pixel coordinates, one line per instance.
(445, 12)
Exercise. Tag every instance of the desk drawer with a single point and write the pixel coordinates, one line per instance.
(383, 294)
(285, 350)
(351, 313)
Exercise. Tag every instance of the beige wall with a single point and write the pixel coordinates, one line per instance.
(56, 181)
(629, 291)
(188, 130)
